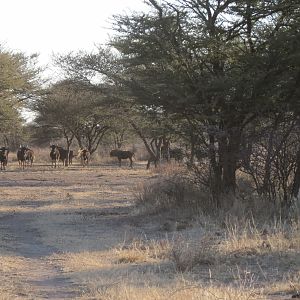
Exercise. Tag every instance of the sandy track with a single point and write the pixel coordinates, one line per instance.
(45, 212)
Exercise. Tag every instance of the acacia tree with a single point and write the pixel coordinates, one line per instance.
(148, 122)
(190, 59)
(19, 82)
(218, 65)
(77, 111)
(155, 131)
(271, 161)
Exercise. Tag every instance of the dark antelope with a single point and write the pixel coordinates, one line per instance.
(25, 156)
(29, 157)
(122, 154)
(71, 156)
(64, 155)
(3, 157)
(54, 155)
(84, 156)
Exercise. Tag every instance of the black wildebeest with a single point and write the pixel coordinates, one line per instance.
(24, 155)
(54, 155)
(3, 157)
(122, 154)
(29, 157)
(60, 154)
(71, 156)
(84, 156)
(64, 155)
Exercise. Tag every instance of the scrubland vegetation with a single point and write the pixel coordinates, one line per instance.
(137, 234)
(206, 94)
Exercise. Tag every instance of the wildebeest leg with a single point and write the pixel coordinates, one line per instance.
(67, 159)
(130, 162)
(119, 161)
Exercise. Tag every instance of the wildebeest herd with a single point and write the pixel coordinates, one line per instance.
(58, 154)
(25, 156)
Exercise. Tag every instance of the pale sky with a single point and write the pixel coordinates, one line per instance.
(59, 26)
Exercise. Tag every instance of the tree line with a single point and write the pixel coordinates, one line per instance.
(220, 76)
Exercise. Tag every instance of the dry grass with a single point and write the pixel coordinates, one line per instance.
(110, 252)
(169, 189)
(83, 261)
(187, 254)
(140, 251)
(212, 259)
(10, 264)
(237, 248)
(178, 290)
(169, 169)
(276, 237)
(11, 267)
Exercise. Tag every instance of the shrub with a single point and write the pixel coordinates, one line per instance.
(166, 192)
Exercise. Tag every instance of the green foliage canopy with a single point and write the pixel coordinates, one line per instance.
(19, 82)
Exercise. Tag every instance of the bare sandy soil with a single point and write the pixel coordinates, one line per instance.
(47, 212)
